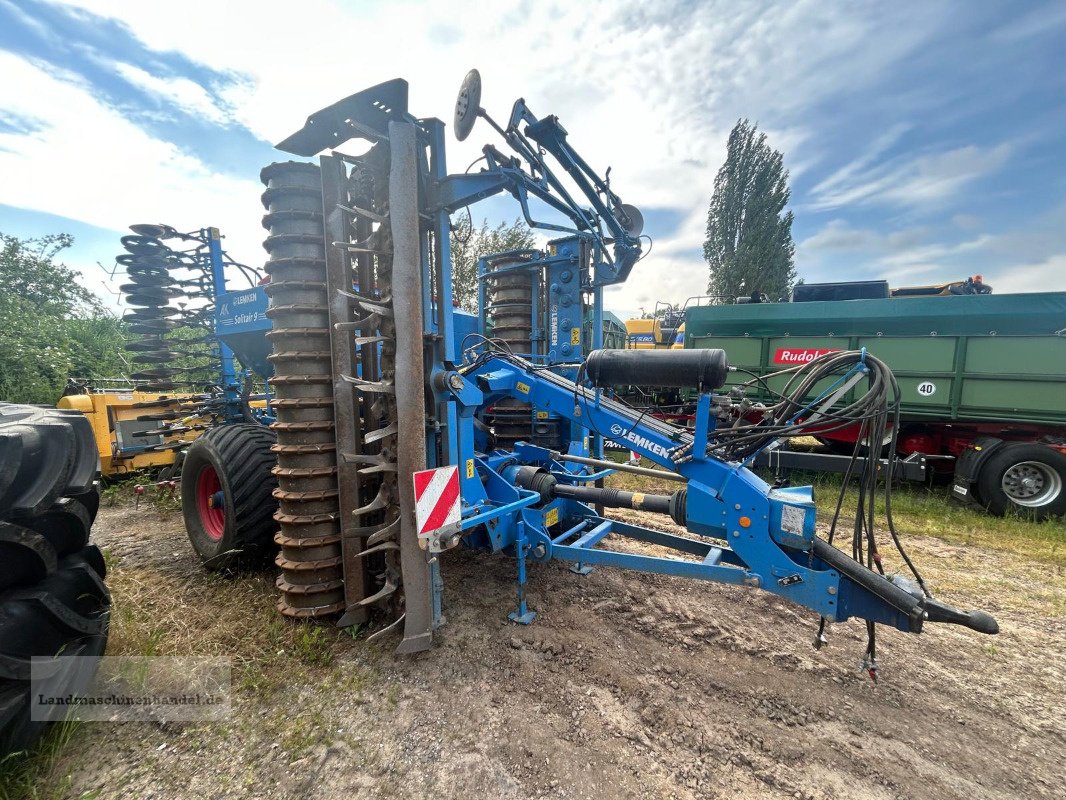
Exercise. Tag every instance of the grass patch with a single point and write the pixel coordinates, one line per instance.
(212, 615)
(930, 511)
(171, 612)
(156, 494)
(38, 773)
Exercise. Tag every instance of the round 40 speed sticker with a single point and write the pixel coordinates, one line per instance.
(926, 388)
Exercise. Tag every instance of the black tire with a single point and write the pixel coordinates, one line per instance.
(53, 601)
(837, 447)
(233, 464)
(90, 499)
(65, 525)
(1026, 478)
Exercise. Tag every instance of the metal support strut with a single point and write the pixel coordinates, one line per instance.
(410, 380)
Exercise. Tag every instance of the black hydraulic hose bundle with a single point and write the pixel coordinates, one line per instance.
(795, 414)
(876, 413)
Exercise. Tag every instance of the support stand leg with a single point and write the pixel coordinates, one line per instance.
(522, 615)
(438, 593)
(580, 569)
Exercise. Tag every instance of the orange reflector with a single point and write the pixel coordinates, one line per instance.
(745, 522)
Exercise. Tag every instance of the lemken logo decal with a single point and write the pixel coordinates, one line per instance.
(801, 355)
(618, 432)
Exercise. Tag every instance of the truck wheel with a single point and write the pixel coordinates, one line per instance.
(226, 495)
(1024, 477)
(53, 602)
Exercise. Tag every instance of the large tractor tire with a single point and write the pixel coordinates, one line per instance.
(226, 496)
(1026, 478)
(53, 602)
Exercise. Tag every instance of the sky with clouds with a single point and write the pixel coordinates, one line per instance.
(925, 141)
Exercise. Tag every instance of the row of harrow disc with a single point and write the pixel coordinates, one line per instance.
(155, 294)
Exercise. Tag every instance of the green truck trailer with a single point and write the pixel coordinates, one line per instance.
(982, 378)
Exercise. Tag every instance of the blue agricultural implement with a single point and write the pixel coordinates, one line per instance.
(376, 379)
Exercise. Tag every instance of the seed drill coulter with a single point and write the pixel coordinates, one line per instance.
(377, 378)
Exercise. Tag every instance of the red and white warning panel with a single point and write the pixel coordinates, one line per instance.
(436, 499)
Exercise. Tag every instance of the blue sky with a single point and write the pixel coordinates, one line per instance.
(925, 140)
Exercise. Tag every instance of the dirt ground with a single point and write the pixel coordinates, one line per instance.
(627, 686)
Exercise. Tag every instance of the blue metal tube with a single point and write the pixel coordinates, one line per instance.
(443, 242)
(572, 532)
(218, 287)
(593, 537)
(528, 499)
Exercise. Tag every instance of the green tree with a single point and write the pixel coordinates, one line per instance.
(749, 244)
(470, 244)
(51, 327)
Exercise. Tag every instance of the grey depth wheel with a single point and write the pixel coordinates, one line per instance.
(1027, 478)
(1031, 484)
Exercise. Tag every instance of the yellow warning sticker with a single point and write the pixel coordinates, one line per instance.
(638, 500)
(575, 336)
(522, 387)
(542, 415)
(470, 468)
(586, 443)
(551, 518)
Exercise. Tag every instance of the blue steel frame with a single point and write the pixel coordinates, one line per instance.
(230, 389)
(750, 534)
(742, 531)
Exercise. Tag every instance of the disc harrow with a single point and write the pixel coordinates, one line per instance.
(157, 315)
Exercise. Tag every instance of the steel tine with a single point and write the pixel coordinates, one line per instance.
(352, 295)
(373, 316)
(390, 531)
(362, 212)
(380, 310)
(377, 468)
(387, 629)
(385, 591)
(357, 324)
(381, 548)
(380, 433)
(374, 534)
(380, 501)
(361, 341)
(370, 386)
(375, 302)
(351, 248)
(363, 458)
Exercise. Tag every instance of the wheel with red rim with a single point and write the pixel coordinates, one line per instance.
(211, 502)
(226, 496)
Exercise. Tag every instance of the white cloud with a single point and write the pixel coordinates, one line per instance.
(1012, 261)
(189, 95)
(1039, 276)
(906, 181)
(87, 162)
(651, 90)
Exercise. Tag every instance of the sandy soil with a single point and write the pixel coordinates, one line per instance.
(627, 686)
